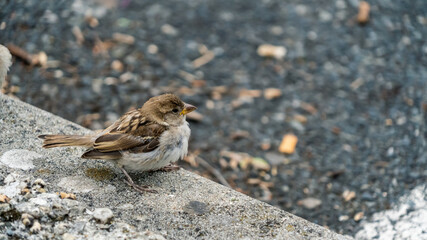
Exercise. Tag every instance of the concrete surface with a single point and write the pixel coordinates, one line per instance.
(186, 206)
(405, 220)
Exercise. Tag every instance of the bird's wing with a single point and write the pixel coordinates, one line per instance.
(132, 132)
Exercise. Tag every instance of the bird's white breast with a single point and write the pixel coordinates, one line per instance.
(173, 146)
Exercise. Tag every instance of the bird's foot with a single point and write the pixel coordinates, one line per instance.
(138, 188)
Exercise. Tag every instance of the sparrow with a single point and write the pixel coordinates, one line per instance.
(146, 139)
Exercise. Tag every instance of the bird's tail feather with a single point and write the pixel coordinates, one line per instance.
(51, 141)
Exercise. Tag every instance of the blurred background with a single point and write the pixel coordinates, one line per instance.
(316, 107)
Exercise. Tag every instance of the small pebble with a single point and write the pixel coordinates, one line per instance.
(268, 50)
(68, 236)
(36, 227)
(310, 203)
(103, 215)
(39, 182)
(358, 216)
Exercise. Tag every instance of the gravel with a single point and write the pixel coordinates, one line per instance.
(361, 89)
(405, 220)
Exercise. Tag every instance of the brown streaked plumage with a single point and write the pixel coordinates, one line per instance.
(145, 139)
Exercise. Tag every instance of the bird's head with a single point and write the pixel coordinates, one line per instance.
(167, 108)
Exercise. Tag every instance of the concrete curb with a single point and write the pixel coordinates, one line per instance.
(186, 206)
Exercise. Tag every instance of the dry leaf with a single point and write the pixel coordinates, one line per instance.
(223, 163)
(260, 164)
(348, 195)
(363, 15)
(274, 171)
(25, 191)
(78, 34)
(358, 216)
(235, 157)
(271, 93)
(248, 93)
(64, 195)
(92, 21)
(204, 59)
(300, 118)
(244, 163)
(40, 59)
(266, 185)
(309, 108)
(253, 181)
(123, 38)
(288, 144)
(268, 50)
(4, 198)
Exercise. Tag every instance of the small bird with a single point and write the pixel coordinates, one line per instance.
(146, 139)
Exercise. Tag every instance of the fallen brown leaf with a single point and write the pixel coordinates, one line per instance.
(288, 144)
(64, 195)
(204, 59)
(4, 198)
(348, 195)
(309, 108)
(249, 93)
(358, 216)
(271, 93)
(92, 21)
(300, 118)
(253, 181)
(260, 164)
(77, 32)
(363, 15)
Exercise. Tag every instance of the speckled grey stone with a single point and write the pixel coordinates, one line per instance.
(219, 212)
(19, 158)
(103, 215)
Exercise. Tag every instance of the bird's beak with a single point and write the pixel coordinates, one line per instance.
(187, 109)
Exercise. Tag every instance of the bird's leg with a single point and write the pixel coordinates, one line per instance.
(139, 188)
(169, 168)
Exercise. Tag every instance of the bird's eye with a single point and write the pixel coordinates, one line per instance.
(175, 110)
